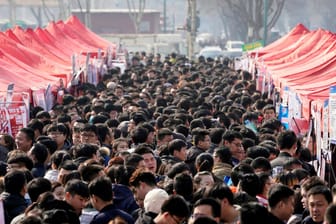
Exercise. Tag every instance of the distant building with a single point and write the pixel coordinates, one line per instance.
(118, 21)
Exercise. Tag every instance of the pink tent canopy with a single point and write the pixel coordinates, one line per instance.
(306, 65)
(35, 58)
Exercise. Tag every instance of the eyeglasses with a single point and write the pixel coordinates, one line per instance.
(55, 133)
(237, 144)
(176, 219)
(87, 135)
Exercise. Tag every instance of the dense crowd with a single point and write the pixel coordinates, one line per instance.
(166, 141)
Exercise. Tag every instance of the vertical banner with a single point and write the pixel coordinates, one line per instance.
(9, 96)
(39, 98)
(25, 98)
(332, 113)
(17, 118)
(4, 120)
(49, 98)
(318, 130)
(283, 116)
(87, 66)
(2, 212)
(73, 63)
(325, 143)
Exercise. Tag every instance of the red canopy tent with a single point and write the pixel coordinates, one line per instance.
(303, 61)
(34, 58)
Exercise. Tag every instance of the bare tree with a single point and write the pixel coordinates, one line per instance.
(136, 12)
(244, 19)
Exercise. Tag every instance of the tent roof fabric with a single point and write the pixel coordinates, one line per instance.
(35, 58)
(303, 60)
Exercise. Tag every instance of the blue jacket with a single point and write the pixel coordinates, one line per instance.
(108, 213)
(123, 198)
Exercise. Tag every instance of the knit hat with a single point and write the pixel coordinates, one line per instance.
(154, 200)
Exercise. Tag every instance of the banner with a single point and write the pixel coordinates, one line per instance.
(39, 98)
(4, 120)
(332, 113)
(325, 143)
(17, 118)
(9, 94)
(2, 212)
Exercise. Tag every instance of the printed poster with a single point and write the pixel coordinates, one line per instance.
(325, 143)
(39, 98)
(17, 118)
(4, 120)
(332, 113)
(9, 96)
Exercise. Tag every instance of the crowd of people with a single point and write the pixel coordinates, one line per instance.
(167, 141)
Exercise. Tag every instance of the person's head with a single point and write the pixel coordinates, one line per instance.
(58, 133)
(65, 168)
(208, 207)
(183, 185)
(37, 186)
(222, 155)
(57, 190)
(319, 198)
(281, 201)
(101, 194)
(76, 129)
(139, 135)
(287, 141)
(216, 135)
(265, 183)
(38, 153)
(164, 136)
(120, 144)
(76, 194)
(58, 157)
(178, 149)
(24, 139)
(86, 151)
(149, 158)
(7, 141)
(154, 200)
(89, 134)
(201, 138)
(15, 182)
(250, 184)
(174, 210)
(287, 178)
(253, 212)
(233, 140)
(142, 182)
(204, 162)
(261, 165)
(330, 215)
(37, 126)
(238, 171)
(269, 112)
(203, 179)
(19, 160)
(88, 172)
(307, 185)
(135, 160)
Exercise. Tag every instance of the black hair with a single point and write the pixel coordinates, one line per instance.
(176, 145)
(77, 187)
(215, 205)
(37, 186)
(176, 205)
(40, 152)
(14, 181)
(277, 193)
(102, 188)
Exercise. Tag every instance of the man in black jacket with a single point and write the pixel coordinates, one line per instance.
(13, 196)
